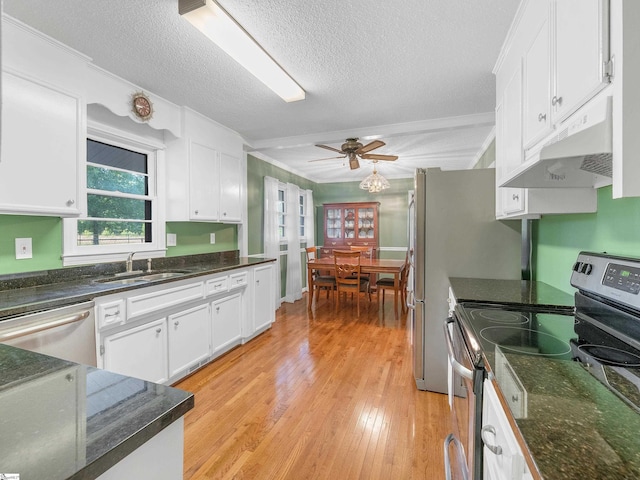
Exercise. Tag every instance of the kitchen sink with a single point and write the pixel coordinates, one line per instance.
(161, 276)
(124, 281)
(141, 278)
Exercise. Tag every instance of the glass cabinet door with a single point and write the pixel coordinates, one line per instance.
(334, 223)
(366, 223)
(349, 223)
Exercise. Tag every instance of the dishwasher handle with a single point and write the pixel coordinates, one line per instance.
(18, 332)
(457, 366)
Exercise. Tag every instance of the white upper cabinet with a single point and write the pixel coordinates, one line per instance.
(230, 188)
(539, 61)
(537, 86)
(43, 125)
(581, 53)
(205, 174)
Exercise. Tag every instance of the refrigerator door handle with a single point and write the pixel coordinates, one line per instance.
(460, 369)
(411, 300)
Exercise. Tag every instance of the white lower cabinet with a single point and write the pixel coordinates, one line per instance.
(264, 310)
(226, 324)
(502, 457)
(139, 352)
(164, 332)
(189, 343)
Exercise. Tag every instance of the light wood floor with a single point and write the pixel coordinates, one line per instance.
(321, 395)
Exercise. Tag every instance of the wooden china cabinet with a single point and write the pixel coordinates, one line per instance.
(350, 224)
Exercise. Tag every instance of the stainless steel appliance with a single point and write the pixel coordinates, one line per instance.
(478, 334)
(67, 332)
(453, 234)
(602, 333)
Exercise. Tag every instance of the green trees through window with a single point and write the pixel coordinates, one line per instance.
(119, 208)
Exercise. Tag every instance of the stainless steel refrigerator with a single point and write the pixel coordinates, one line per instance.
(453, 233)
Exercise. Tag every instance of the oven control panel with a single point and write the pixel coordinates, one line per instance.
(613, 277)
(622, 277)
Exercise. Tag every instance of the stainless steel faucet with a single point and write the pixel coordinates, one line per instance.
(129, 262)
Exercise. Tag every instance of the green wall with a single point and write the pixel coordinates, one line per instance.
(256, 171)
(193, 238)
(614, 228)
(46, 235)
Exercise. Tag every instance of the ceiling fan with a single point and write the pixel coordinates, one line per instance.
(353, 149)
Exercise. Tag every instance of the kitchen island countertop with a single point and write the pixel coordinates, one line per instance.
(63, 420)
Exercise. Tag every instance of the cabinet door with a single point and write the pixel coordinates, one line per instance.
(263, 297)
(226, 322)
(140, 352)
(230, 188)
(333, 218)
(581, 47)
(42, 146)
(188, 338)
(511, 148)
(537, 87)
(204, 173)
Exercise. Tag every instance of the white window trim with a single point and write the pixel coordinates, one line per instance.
(75, 255)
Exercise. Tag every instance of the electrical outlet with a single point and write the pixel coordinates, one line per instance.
(23, 248)
(212, 238)
(172, 239)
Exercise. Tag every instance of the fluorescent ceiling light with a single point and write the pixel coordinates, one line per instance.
(212, 20)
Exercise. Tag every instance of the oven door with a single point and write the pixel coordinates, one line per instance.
(461, 459)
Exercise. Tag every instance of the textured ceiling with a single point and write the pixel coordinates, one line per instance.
(415, 73)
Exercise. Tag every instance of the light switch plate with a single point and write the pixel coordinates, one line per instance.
(212, 238)
(23, 248)
(172, 239)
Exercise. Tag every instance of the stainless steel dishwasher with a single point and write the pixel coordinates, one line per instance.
(67, 332)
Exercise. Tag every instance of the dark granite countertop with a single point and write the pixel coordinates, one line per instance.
(62, 420)
(573, 426)
(510, 292)
(34, 291)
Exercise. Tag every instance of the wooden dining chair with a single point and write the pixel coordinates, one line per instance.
(387, 283)
(321, 279)
(348, 277)
(365, 252)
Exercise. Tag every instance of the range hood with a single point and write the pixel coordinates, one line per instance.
(578, 156)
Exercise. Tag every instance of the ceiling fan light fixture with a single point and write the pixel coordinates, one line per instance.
(221, 28)
(375, 182)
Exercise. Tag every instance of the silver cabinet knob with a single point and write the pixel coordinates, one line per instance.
(176, 323)
(158, 330)
(70, 202)
(515, 196)
(542, 117)
(217, 308)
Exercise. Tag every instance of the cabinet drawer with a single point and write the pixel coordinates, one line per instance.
(216, 285)
(238, 280)
(111, 313)
(165, 298)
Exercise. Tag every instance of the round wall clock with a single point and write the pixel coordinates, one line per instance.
(141, 106)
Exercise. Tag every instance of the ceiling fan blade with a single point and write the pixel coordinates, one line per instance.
(323, 159)
(370, 146)
(329, 148)
(377, 156)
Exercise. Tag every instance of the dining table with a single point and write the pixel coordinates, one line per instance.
(367, 266)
